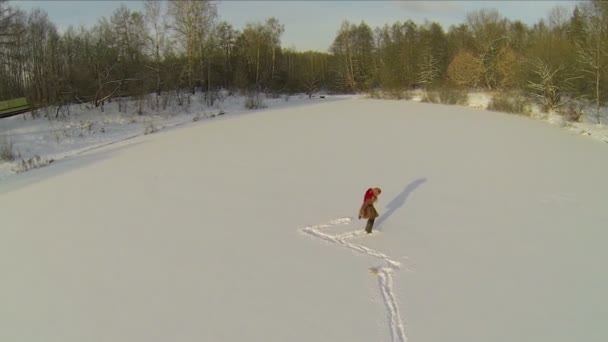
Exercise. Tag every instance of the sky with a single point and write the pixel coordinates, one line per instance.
(311, 25)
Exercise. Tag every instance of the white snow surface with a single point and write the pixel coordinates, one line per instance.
(244, 228)
(587, 126)
(80, 129)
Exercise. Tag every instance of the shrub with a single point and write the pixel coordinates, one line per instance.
(254, 102)
(86, 127)
(391, 94)
(32, 163)
(273, 95)
(465, 69)
(150, 128)
(446, 95)
(375, 94)
(509, 103)
(6, 150)
(572, 112)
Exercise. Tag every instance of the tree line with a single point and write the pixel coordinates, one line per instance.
(182, 47)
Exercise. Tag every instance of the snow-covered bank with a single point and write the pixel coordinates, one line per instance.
(587, 126)
(195, 234)
(38, 142)
(85, 129)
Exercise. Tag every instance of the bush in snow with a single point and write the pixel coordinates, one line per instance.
(572, 112)
(273, 95)
(32, 163)
(555, 118)
(400, 94)
(509, 103)
(165, 101)
(140, 104)
(209, 98)
(6, 150)
(68, 129)
(446, 95)
(254, 102)
(58, 134)
(391, 94)
(122, 105)
(550, 83)
(150, 128)
(86, 127)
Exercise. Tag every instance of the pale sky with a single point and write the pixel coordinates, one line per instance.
(312, 25)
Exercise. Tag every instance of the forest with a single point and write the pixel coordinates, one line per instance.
(175, 48)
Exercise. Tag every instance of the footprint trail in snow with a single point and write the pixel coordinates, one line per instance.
(384, 274)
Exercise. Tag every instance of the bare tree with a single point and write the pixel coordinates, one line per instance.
(155, 41)
(489, 31)
(253, 44)
(592, 64)
(259, 43)
(6, 16)
(465, 70)
(275, 30)
(591, 50)
(310, 83)
(100, 72)
(507, 68)
(558, 19)
(429, 67)
(310, 80)
(41, 33)
(226, 42)
(191, 21)
(550, 84)
(12, 55)
(343, 48)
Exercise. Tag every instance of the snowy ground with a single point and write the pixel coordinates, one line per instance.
(587, 127)
(243, 229)
(85, 129)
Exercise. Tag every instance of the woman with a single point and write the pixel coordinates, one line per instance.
(367, 208)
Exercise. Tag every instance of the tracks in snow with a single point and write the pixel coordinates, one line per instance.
(384, 274)
(385, 280)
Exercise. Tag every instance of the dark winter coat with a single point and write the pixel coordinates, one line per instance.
(369, 212)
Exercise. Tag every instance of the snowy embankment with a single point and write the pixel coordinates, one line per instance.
(75, 130)
(78, 129)
(587, 126)
(492, 228)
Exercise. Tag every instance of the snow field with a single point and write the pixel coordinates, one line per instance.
(194, 233)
